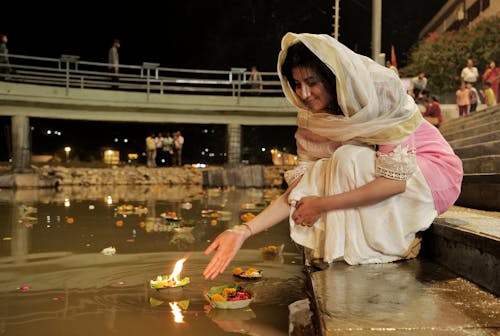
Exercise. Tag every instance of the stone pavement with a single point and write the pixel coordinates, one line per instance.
(423, 296)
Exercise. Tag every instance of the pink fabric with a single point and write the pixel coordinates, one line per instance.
(440, 166)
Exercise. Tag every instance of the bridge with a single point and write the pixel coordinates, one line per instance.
(69, 88)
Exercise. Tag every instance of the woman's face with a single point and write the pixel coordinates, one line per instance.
(311, 90)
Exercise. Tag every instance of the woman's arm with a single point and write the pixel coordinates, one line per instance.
(310, 208)
(230, 241)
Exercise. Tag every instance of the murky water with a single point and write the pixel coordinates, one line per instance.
(55, 280)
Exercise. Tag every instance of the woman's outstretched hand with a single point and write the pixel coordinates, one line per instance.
(225, 246)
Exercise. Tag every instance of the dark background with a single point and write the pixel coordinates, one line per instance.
(216, 34)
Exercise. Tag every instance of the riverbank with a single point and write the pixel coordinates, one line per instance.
(62, 175)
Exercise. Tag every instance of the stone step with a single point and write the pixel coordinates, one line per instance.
(458, 124)
(487, 114)
(480, 149)
(471, 130)
(468, 244)
(408, 298)
(452, 288)
(475, 139)
(486, 164)
(480, 191)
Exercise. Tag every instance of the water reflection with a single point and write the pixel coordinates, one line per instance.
(79, 260)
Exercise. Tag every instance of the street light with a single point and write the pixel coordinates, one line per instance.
(67, 149)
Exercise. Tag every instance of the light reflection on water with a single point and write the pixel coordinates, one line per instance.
(54, 280)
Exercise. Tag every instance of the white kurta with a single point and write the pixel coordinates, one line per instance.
(383, 232)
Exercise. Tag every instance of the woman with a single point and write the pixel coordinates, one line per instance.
(372, 173)
(492, 74)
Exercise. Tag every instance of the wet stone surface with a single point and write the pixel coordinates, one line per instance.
(416, 297)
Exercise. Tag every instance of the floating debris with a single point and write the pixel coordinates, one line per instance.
(109, 251)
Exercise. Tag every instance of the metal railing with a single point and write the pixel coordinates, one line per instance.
(70, 72)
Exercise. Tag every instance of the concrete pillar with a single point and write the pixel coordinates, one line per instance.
(21, 149)
(233, 144)
(376, 29)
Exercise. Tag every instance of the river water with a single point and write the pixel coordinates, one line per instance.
(57, 279)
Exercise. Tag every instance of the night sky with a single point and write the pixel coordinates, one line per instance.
(199, 34)
(215, 34)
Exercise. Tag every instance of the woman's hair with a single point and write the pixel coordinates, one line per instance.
(298, 55)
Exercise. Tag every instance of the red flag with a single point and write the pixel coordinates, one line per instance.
(394, 61)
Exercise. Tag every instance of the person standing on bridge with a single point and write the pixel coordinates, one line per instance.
(5, 68)
(114, 60)
(372, 173)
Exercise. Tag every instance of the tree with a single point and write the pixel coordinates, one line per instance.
(442, 56)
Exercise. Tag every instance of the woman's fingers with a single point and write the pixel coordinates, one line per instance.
(225, 246)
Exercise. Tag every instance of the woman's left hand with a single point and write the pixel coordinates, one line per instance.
(307, 211)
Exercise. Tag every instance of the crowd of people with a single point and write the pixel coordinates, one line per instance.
(474, 90)
(469, 94)
(164, 150)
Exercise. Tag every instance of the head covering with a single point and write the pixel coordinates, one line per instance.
(375, 105)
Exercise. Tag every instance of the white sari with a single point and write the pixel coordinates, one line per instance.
(337, 154)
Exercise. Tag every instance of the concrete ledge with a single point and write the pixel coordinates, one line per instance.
(473, 255)
(29, 180)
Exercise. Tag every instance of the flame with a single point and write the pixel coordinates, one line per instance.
(174, 277)
(176, 310)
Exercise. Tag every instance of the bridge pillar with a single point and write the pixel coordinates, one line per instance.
(21, 149)
(234, 144)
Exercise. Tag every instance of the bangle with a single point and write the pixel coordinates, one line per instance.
(248, 228)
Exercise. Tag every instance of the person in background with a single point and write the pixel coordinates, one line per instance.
(372, 173)
(114, 61)
(419, 84)
(432, 111)
(474, 98)
(151, 150)
(469, 73)
(463, 100)
(492, 74)
(168, 148)
(5, 68)
(489, 95)
(159, 149)
(255, 81)
(389, 65)
(178, 144)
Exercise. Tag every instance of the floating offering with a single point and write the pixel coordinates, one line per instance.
(249, 273)
(247, 216)
(170, 215)
(271, 251)
(229, 297)
(171, 281)
(129, 209)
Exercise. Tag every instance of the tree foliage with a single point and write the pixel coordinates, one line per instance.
(442, 56)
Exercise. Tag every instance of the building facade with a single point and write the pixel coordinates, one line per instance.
(458, 13)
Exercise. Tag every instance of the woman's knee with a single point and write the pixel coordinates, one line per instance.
(350, 158)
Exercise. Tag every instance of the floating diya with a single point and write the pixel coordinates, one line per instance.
(171, 281)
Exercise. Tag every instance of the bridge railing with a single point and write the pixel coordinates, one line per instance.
(70, 72)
